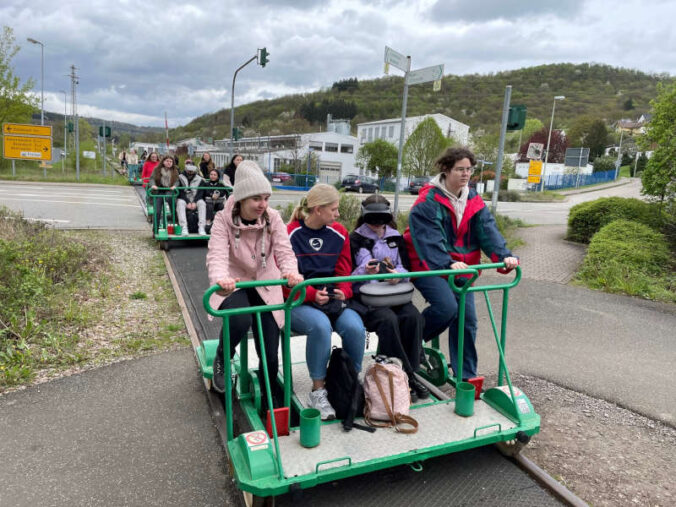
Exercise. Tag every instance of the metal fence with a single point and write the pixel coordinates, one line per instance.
(562, 181)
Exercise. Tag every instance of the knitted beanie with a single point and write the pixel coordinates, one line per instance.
(250, 181)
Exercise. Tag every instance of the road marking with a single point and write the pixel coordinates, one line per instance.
(78, 202)
(50, 220)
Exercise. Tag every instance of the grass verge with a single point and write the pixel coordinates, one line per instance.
(73, 300)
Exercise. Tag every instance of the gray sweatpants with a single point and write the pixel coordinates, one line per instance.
(201, 213)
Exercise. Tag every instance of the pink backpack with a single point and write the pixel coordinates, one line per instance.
(388, 398)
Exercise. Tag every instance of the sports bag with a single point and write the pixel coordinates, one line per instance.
(387, 396)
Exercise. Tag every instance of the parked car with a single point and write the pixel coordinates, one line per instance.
(417, 183)
(279, 177)
(359, 184)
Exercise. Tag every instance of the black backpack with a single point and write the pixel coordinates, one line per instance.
(346, 393)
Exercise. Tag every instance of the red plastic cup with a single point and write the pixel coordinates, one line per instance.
(170, 228)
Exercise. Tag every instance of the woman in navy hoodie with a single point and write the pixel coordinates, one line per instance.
(377, 247)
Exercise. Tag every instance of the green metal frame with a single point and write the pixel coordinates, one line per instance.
(261, 473)
(134, 174)
(160, 232)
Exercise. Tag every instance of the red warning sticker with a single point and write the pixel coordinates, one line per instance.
(256, 438)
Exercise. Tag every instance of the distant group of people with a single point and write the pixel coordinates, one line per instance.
(202, 188)
(449, 226)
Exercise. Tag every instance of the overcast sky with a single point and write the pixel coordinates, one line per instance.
(137, 59)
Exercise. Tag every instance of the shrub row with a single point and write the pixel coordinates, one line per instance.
(587, 218)
(630, 258)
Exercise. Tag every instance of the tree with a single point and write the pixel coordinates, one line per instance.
(378, 156)
(659, 176)
(16, 102)
(603, 164)
(557, 146)
(423, 147)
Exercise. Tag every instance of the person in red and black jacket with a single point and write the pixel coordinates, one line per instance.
(449, 226)
(322, 248)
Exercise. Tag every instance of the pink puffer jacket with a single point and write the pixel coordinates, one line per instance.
(232, 257)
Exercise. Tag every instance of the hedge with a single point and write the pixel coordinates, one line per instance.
(630, 258)
(587, 218)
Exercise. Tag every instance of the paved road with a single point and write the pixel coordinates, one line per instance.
(69, 206)
(557, 212)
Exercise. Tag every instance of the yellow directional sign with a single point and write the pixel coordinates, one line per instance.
(27, 148)
(534, 179)
(21, 129)
(535, 168)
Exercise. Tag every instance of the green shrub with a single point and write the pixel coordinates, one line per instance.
(602, 164)
(585, 219)
(630, 258)
(350, 210)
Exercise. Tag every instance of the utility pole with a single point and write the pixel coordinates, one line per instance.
(73, 84)
(65, 131)
(104, 148)
(501, 147)
(619, 156)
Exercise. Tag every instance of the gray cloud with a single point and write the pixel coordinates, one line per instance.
(486, 10)
(138, 59)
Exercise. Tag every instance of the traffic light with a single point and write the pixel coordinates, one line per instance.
(516, 118)
(236, 133)
(263, 57)
(107, 132)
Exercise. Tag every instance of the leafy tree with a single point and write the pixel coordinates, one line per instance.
(640, 163)
(423, 146)
(557, 146)
(16, 103)
(628, 104)
(589, 133)
(659, 176)
(378, 156)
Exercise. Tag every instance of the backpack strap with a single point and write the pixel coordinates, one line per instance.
(357, 242)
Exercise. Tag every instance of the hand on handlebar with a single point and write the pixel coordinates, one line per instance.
(510, 262)
(227, 286)
(292, 279)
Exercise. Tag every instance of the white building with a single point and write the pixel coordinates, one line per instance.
(160, 148)
(389, 129)
(333, 153)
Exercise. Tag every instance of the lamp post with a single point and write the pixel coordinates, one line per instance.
(549, 140)
(42, 77)
(65, 131)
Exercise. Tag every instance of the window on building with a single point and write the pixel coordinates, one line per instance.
(315, 146)
(332, 147)
(346, 148)
(370, 135)
(377, 133)
(391, 132)
(277, 164)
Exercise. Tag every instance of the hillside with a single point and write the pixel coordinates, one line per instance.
(595, 90)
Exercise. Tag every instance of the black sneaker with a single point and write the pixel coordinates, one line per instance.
(419, 388)
(218, 379)
(414, 395)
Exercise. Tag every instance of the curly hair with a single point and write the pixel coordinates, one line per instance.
(450, 156)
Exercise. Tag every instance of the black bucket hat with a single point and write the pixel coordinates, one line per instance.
(376, 213)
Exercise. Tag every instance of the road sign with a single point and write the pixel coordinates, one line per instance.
(535, 151)
(27, 148)
(433, 73)
(533, 179)
(89, 154)
(21, 129)
(576, 157)
(397, 59)
(535, 168)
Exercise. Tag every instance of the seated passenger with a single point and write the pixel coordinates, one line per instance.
(163, 181)
(377, 247)
(249, 242)
(206, 165)
(191, 198)
(214, 195)
(229, 171)
(322, 247)
(149, 166)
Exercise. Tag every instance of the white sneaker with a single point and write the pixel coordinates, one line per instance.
(319, 399)
(184, 231)
(201, 232)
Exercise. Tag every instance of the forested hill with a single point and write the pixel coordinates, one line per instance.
(599, 91)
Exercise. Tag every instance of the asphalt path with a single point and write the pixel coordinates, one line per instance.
(75, 206)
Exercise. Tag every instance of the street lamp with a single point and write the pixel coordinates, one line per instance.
(549, 139)
(42, 77)
(65, 131)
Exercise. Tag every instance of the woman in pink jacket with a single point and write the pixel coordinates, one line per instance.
(249, 242)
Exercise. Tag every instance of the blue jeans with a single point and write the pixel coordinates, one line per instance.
(314, 323)
(442, 314)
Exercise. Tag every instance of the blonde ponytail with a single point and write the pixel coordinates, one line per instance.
(319, 195)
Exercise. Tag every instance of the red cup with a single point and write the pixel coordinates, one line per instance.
(170, 228)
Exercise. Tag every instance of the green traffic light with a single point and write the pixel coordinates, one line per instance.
(263, 57)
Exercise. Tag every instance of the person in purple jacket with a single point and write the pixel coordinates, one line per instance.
(377, 247)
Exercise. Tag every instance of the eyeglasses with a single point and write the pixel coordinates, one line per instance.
(469, 170)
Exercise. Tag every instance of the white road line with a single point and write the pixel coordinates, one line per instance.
(50, 220)
(77, 202)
